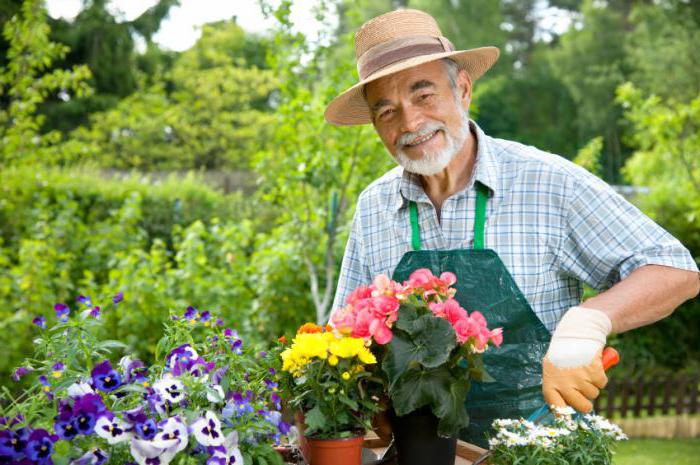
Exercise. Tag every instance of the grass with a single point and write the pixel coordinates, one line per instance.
(658, 451)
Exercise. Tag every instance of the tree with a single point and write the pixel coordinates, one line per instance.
(106, 45)
(589, 61)
(212, 112)
(312, 171)
(26, 83)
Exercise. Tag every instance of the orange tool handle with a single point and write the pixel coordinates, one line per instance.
(610, 358)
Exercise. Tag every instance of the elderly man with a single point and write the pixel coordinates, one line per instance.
(522, 229)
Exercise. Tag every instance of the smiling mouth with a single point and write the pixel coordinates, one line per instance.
(422, 140)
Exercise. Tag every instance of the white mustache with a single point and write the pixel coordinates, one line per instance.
(408, 137)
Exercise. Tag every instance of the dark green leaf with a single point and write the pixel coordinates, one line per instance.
(315, 420)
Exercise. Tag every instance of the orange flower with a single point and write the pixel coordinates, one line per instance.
(282, 339)
(309, 328)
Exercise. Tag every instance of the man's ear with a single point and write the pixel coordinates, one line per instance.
(464, 84)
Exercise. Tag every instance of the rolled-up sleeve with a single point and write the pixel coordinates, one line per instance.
(606, 238)
(354, 270)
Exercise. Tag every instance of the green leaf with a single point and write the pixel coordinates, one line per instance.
(407, 316)
(437, 388)
(430, 345)
(315, 420)
(349, 402)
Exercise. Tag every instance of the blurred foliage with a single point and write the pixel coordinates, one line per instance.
(26, 82)
(242, 101)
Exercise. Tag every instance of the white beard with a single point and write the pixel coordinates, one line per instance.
(433, 162)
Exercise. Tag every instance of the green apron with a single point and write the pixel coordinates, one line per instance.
(484, 284)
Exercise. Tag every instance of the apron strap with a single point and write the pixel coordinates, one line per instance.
(482, 194)
(479, 221)
(415, 229)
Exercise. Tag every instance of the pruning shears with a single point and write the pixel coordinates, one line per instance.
(610, 358)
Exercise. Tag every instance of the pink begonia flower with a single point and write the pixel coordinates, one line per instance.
(448, 279)
(438, 309)
(422, 278)
(497, 336)
(344, 319)
(463, 330)
(381, 333)
(359, 294)
(453, 311)
(362, 321)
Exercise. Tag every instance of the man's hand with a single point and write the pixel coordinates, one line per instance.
(572, 370)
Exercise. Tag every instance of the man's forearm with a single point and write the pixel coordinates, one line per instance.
(648, 294)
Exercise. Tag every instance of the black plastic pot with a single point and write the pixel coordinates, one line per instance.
(417, 441)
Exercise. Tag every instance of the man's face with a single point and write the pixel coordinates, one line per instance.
(419, 117)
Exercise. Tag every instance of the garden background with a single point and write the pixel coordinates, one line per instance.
(208, 177)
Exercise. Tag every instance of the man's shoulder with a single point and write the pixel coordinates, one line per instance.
(530, 161)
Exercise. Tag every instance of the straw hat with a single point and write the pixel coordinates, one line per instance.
(393, 42)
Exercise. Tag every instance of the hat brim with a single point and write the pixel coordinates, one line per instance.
(350, 108)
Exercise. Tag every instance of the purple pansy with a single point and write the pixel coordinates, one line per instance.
(219, 322)
(95, 312)
(237, 347)
(141, 424)
(191, 314)
(13, 443)
(105, 378)
(181, 358)
(40, 321)
(39, 447)
(46, 386)
(62, 312)
(205, 317)
(57, 369)
(20, 372)
(242, 404)
(86, 410)
(118, 298)
(64, 423)
(85, 300)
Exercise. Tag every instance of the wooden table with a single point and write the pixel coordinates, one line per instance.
(466, 452)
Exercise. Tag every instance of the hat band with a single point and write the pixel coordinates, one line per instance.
(397, 50)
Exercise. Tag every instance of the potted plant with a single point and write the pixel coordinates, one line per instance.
(207, 399)
(430, 349)
(329, 381)
(568, 439)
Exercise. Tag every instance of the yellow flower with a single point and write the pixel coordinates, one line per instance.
(311, 345)
(292, 362)
(332, 360)
(345, 375)
(57, 373)
(366, 356)
(359, 369)
(346, 347)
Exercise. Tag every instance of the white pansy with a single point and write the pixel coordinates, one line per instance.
(215, 394)
(231, 453)
(170, 389)
(113, 431)
(174, 429)
(79, 389)
(157, 452)
(207, 430)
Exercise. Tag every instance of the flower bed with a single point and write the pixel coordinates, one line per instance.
(210, 398)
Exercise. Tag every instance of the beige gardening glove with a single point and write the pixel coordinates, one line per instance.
(572, 370)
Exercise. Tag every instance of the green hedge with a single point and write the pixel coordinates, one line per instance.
(166, 246)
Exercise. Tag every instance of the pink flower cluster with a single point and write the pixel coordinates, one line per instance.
(467, 326)
(371, 310)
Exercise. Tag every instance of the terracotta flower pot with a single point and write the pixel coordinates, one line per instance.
(347, 451)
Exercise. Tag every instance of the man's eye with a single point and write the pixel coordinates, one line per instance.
(386, 113)
(425, 96)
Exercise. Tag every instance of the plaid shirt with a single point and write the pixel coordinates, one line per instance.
(554, 225)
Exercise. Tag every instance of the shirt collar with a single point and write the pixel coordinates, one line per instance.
(485, 171)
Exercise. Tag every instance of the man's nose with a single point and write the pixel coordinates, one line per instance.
(411, 118)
